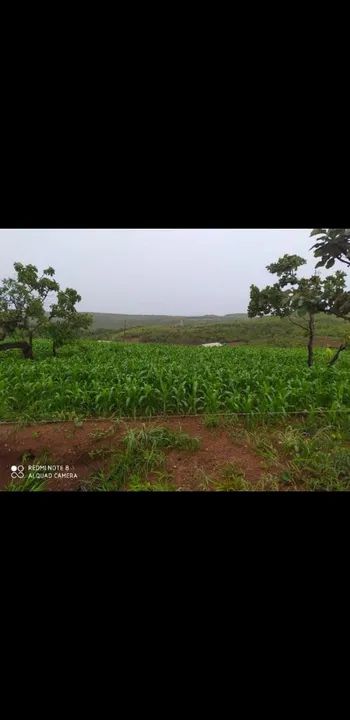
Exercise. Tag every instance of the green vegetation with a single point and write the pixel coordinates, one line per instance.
(300, 299)
(160, 437)
(141, 455)
(103, 434)
(92, 379)
(232, 480)
(28, 484)
(311, 455)
(308, 455)
(24, 312)
(331, 245)
(31, 482)
(104, 322)
(162, 484)
(275, 331)
(152, 366)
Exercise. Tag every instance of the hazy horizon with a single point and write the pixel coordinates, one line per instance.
(165, 314)
(157, 272)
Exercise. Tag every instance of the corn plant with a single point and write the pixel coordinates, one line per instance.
(109, 380)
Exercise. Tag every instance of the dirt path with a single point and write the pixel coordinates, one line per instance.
(67, 447)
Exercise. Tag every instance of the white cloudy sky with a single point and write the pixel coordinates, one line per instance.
(176, 272)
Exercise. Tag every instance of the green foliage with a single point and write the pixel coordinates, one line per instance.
(66, 323)
(31, 482)
(212, 421)
(293, 296)
(90, 379)
(160, 437)
(22, 299)
(28, 484)
(142, 454)
(279, 299)
(23, 308)
(232, 480)
(332, 244)
(162, 484)
(285, 268)
(277, 331)
(272, 300)
(317, 462)
(302, 296)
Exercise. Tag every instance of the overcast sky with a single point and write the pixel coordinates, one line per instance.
(171, 272)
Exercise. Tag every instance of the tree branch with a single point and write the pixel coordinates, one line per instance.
(342, 317)
(24, 346)
(346, 262)
(335, 357)
(298, 324)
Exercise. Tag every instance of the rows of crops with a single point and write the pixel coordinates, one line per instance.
(102, 379)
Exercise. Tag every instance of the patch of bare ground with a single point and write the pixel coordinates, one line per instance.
(217, 449)
(324, 341)
(131, 339)
(86, 448)
(234, 343)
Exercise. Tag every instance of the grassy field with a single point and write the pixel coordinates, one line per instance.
(103, 379)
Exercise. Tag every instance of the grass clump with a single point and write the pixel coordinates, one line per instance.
(28, 484)
(102, 434)
(212, 421)
(100, 453)
(161, 484)
(316, 461)
(232, 480)
(263, 445)
(160, 437)
(31, 482)
(141, 455)
(267, 483)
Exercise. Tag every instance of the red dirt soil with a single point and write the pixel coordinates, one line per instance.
(324, 341)
(67, 444)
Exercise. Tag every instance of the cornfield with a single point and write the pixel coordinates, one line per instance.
(92, 379)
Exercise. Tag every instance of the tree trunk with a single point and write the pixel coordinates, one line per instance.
(54, 349)
(30, 336)
(335, 357)
(24, 346)
(310, 346)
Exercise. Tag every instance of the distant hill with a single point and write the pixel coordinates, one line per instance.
(115, 321)
(258, 331)
(235, 328)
